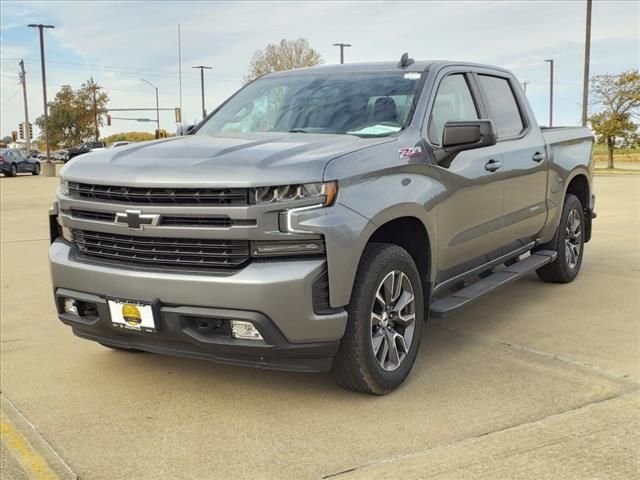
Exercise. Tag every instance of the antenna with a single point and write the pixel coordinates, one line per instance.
(405, 61)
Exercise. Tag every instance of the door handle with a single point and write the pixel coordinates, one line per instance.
(538, 157)
(492, 165)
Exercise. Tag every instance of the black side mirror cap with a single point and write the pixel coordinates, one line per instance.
(468, 135)
(189, 130)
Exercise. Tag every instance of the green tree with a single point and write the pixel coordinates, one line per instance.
(7, 139)
(73, 115)
(286, 55)
(618, 97)
(129, 137)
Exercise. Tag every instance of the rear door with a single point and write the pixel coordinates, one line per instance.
(524, 163)
(470, 213)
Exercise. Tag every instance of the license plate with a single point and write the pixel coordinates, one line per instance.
(132, 316)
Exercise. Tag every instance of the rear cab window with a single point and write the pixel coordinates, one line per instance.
(502, 105)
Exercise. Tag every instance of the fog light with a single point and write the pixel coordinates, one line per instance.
(70, 306)
(244, 330)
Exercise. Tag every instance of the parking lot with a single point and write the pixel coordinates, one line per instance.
(534, 381)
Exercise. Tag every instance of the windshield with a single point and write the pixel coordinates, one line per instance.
(356, 104)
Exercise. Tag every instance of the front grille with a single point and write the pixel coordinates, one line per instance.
(217, 221)
(159, 196)
(181, 253)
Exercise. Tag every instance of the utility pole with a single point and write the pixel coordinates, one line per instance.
(23, 81)
(180, 73)
(157, 107)
(550, 61)
(524, 86)
(587, 56)
(342, 47)
(202, 69)
(50, 170)
(94, 88)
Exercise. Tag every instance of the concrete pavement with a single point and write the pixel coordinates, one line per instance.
(534, 381)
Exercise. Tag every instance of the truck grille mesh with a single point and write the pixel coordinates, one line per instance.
(159, 196)
(218, 221)
(180, 253)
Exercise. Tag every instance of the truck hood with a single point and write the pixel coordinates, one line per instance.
(225, 160)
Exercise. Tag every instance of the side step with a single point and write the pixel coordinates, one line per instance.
(444, 307)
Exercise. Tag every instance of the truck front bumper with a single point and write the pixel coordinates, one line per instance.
(275, 296)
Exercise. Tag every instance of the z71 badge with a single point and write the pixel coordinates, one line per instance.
(409, 152)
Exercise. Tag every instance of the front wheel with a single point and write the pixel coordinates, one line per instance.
(386, 314)
(36, 169)
(568, 242)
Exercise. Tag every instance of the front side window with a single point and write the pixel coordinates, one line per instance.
(372, 104)
(453, 102)
(503, 107)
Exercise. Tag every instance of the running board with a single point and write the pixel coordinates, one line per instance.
(446, 306)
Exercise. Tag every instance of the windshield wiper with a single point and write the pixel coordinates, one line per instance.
(298, 130)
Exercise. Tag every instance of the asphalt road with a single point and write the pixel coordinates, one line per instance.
(534, 381)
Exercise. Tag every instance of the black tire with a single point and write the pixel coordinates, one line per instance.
(122, 349)
(565, 268)
(36, 169)
(355, 367)
(13, 170)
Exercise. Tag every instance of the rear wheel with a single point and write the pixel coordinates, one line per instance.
(13, 170)
(568, 242)
(386, 314)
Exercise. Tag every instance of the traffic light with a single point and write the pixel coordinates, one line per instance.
(30, 128)
(21, 130)
(163, 133)
(178, 115)
(108, 120)
(14, 136)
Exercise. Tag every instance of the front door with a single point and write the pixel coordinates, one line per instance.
(470, 214)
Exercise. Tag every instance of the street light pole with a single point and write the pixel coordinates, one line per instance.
(342, 47)
(550, 61)
(48, 171)
(587, 56)
(202, 69)
(157, 107)
(27, 129)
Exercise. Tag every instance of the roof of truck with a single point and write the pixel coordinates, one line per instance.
(417, 66)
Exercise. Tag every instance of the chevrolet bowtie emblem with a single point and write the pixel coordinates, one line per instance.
(136, 219)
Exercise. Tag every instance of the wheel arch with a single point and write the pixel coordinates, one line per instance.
(580, 186)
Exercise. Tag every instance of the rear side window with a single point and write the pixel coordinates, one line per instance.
(453, 103)
(502, 105)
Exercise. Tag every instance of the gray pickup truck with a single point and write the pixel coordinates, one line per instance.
(318, 217)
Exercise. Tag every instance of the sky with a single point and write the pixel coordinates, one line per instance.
(119, 43)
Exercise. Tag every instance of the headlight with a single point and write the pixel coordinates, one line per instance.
(324, 192)
(64, 187)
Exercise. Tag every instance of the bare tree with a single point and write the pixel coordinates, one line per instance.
(286, 55)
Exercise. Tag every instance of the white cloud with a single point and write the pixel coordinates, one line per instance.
(120, 42)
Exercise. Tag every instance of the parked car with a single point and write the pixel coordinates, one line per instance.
(85, 148)
(318, 217)
(13, 161)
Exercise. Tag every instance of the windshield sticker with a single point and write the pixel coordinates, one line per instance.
(411, 76)
(376, 130)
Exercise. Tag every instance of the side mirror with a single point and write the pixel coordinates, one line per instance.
(189, 130)
(468, 135)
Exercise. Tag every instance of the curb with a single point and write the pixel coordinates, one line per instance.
(25, 444)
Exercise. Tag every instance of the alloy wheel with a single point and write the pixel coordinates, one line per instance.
(573, 239)
(393, 319)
